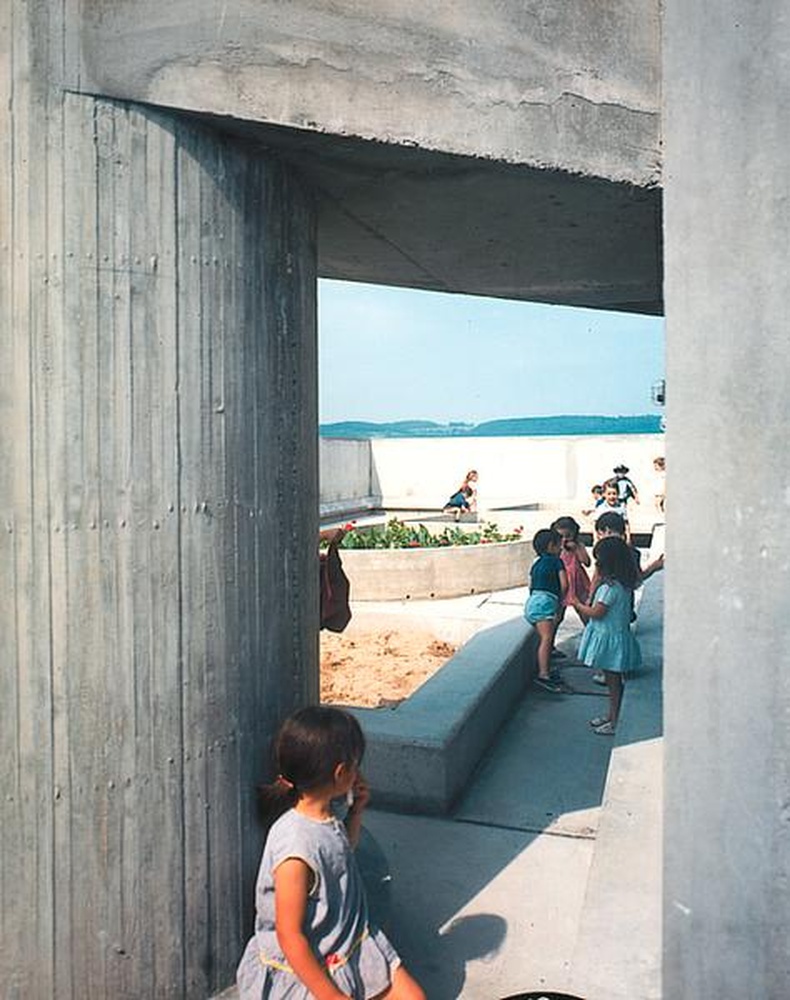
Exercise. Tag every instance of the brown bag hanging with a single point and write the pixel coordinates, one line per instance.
(334, 591)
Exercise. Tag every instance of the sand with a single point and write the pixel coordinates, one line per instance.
(378, 669)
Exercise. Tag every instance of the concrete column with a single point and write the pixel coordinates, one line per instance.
(158, 488)
(727, 818)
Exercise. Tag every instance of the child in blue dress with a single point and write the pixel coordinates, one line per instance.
(313, 937)
(607, 643)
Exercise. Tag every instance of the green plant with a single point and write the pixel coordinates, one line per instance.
(397, 535)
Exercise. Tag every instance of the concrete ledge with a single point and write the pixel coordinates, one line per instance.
(415, 573)
(618, 951)
(420, 755)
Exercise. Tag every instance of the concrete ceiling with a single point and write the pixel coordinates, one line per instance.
(411, 217)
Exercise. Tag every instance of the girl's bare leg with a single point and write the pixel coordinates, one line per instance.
(545, 630)
(614, 684)
(404, 987)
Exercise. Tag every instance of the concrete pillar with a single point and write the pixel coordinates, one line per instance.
(158, 488)
(727, 218)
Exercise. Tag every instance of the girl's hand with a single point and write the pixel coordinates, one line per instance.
(361, 792)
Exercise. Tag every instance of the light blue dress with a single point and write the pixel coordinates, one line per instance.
(607, 643)
(359, 957)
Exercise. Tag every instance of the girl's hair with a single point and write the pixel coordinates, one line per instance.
(307, 749)
(543, 539)
(567, 524)
(470, 473)
(616, 561)
(610, 520)
(597, 488)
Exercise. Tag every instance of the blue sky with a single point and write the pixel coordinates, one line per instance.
(397, 354)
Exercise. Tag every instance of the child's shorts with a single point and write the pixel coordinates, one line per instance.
(541, 606)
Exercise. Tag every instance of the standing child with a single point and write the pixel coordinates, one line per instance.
(596, 499)
(575, 558)
(312, 934)
(659, 483)
(547, 585)
(613, 505)
(626, 489)
(607, 643)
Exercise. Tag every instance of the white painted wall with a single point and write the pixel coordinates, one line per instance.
(403, 473)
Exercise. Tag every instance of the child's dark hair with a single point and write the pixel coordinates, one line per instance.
(616, 561)
(543, 539)
(307, 749)
(567, 523)
(598, 488)
(611, 521)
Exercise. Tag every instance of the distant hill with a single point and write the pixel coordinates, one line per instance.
(644, 423)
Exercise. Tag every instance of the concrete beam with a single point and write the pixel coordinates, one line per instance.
(542, 125)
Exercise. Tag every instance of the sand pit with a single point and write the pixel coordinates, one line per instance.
(378, 668)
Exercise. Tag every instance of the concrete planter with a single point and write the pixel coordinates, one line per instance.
(403, 574)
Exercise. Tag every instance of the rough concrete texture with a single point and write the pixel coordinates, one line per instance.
(158, 483)
(552, 86)
(541, 121)
(727, 686)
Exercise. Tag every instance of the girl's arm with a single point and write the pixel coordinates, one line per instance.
(581, 553)
(597, 610)
(291, 886)
(651, 568)
(563, 583)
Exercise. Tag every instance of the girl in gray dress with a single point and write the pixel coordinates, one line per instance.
(313, 936)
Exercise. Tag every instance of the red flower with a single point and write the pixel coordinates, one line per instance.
(349, 525)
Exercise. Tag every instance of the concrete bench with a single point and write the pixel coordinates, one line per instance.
(421, 754)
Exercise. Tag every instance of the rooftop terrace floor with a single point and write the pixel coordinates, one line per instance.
(547, 873)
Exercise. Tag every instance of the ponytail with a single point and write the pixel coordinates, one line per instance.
(276, 798)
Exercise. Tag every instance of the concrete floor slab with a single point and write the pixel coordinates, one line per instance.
(480, 912)
(547, 770)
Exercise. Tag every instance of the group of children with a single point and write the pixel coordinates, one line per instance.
(313, 934)
(605, 603)
(616, 492)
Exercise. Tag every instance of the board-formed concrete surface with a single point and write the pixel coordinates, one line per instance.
(541, 121)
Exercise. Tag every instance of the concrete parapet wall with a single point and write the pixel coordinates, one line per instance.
(420, 755)
(417, 473)
(348, 476)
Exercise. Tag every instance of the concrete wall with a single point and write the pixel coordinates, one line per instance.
(422, 472)
(552, 85)
(347, 476)
(158, 482)
(727, 686)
